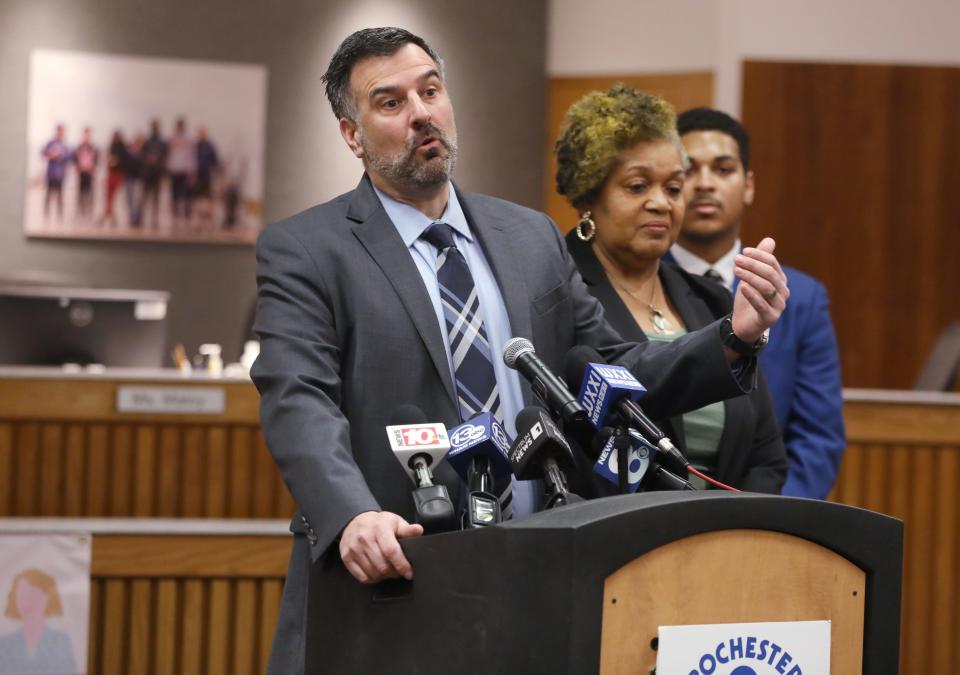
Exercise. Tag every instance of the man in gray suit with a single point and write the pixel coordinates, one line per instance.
(354, 320)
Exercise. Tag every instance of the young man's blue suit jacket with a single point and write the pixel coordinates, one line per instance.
(802, 366)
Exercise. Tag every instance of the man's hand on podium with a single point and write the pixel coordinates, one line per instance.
(370, 550)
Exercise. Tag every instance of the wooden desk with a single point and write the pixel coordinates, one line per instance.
(65, 450)
(903, 459)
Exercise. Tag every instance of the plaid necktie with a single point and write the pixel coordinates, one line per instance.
(469, 349)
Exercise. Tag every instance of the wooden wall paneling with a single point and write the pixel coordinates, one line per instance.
(217, 474)
(144, 471)
(95, 627)
(7, 470)
(27, 467)
(220, 623)
(900, 482)
(270, 592)
(241, 472)
(184, 555)
(857, 163)
(193, 476)
(51, 469)
(244, 629)
(945, 561)
(918, 570)
(84, 399)
(170, 484)
(56, 461)
(683, 90)
(99, 454)
(193, 627)
(876, 478)
(167, 617)
(76, 463)
(115, 628)
(121, 486)
(143, 629)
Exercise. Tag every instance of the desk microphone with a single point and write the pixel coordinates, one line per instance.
(541, 451)
(418, 445)
(518, 354)
(609, 394)
(478, 452)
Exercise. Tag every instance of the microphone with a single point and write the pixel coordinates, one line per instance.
(478, 452)
(541, 451)
(418, 445)
(609, 394)
(518, 354)
(616, 447)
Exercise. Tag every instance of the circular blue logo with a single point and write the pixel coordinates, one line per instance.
(467, 433)
(743, 670)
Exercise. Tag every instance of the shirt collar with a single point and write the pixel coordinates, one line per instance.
(697, 265)
(411, 223)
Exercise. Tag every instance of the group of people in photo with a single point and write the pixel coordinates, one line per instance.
(180, 181)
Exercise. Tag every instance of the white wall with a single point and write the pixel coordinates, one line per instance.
(613, 37)
(620, 36)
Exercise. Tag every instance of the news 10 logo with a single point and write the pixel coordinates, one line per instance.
(419, 436)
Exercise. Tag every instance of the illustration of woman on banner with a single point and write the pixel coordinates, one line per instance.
(35, 647)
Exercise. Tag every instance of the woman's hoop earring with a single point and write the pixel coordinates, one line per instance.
(586, 228)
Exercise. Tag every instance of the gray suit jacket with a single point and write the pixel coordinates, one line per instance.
(348, 333)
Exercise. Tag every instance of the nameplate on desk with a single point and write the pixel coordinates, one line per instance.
(180, 400)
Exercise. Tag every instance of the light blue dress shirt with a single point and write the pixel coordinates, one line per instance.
(411, 224)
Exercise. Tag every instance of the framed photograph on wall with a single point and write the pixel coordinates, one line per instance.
(146, 149)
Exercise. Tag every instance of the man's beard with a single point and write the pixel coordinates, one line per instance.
(405, 168)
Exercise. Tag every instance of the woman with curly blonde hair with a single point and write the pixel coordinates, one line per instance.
(622, 166)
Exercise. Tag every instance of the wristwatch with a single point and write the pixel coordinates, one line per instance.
(730, 339)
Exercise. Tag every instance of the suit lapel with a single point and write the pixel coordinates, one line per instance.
(614, 308)
(693, 310)
(380, 238)
(493, 233)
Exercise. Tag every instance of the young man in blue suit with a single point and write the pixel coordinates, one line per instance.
(800, 362)
(364, 306)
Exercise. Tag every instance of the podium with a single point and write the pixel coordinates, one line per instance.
(582, 589)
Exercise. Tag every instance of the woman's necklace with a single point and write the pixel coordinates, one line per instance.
(660, 322)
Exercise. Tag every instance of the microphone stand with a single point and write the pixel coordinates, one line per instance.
(483, 507)
(622, 443)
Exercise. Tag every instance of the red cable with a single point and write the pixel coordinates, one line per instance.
(710, 480)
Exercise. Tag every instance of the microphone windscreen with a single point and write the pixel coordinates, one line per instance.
(514, 348)
(527, 417)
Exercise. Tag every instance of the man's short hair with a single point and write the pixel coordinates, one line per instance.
(709, 119)
(360, 45)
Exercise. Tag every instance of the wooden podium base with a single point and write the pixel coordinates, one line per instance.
(767, 576)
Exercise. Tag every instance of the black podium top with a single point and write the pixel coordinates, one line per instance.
(527, 596)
